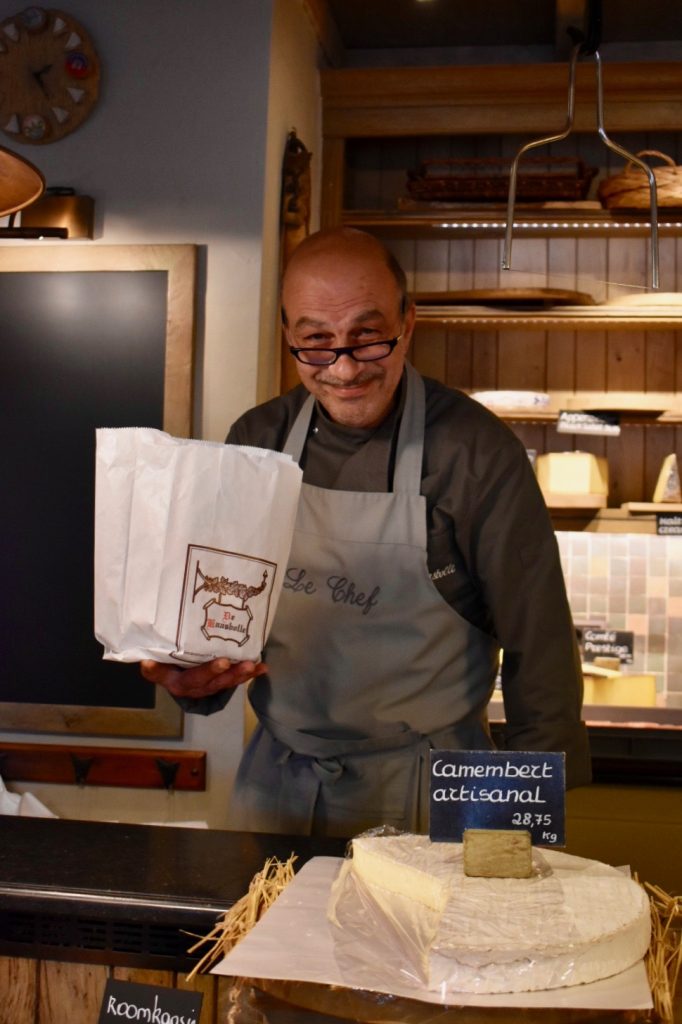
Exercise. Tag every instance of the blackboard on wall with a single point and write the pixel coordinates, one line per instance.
(87, 339)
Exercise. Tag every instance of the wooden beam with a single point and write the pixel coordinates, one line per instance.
(477, 99)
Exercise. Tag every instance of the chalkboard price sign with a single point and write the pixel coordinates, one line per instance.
(599, 642)
(498, 790)
(668, 524)
(154, 1004)
(599, 424)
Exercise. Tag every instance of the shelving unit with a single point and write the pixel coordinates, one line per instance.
(379, 123)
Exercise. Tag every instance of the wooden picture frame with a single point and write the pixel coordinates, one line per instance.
(179, 263)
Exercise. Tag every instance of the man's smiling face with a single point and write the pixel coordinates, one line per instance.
(342, 293)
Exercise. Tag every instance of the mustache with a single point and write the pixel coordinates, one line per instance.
(362, 378)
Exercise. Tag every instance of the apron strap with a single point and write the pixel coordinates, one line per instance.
(322, 748)
(410, 447)
(298, 435)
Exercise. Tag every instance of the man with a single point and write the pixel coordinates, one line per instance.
(422, 547)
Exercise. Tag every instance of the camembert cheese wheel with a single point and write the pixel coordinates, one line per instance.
(574, 921)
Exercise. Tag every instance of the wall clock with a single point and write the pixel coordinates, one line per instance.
(49, 75)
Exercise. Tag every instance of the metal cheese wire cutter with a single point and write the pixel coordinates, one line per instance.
(586, 46)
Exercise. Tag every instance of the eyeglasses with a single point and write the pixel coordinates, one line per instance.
(360, 353)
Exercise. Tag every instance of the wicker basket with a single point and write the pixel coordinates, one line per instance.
(630, 189)
(487, 180)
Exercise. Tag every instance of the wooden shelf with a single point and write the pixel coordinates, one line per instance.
(568, 220)
(571, 318)
(604, 520)
(633, 408)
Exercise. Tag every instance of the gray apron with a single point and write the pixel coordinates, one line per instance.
(369, 665)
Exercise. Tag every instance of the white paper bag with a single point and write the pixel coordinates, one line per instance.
(192, 540)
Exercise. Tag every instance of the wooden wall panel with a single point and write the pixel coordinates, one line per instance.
(561, 358)
(207, 985)
(366, 176)
(144, 976)
(459, 359)
(667, 259)
(487, 262)
(431, 267)
(625, 361)
(626, 465)
(484, 358)
(590, 361)
(18, 990)
(70, 993)
(56, 992)
(628, 267)
(522, 360)
(678, 360)
(562, 263)
(462, 272)
(429, 352)
(660, 358)
(592, 267)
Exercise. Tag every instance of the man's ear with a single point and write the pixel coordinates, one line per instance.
(409, 321)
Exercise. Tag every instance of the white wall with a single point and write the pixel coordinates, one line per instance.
(180, 149)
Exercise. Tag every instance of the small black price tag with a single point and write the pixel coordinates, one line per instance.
(599, 642)
(153, 1004)
(599, 424)
(499, 790)
(668, 524)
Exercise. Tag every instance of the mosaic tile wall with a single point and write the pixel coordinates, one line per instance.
(631, 582)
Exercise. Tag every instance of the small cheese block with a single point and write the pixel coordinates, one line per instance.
(572, 473)
(668, 483)
(602, 661)
(497, 853)
(634, 691)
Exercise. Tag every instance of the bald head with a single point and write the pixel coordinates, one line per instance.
(331, 247)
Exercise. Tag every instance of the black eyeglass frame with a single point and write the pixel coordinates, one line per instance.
(346, 350)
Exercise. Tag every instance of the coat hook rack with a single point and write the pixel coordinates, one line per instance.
(140, 768)
(588, 45)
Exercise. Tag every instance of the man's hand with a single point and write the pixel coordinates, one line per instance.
(202, 680)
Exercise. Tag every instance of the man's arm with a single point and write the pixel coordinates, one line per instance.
(519, 570)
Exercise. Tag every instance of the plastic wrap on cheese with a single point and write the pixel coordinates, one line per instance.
(403, 907)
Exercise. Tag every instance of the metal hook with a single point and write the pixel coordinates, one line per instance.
(81, 768)
(167, 770)
(577, 51)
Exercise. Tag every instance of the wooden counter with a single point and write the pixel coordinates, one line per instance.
(82, 902)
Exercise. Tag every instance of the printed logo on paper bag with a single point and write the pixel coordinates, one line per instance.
(225, 597)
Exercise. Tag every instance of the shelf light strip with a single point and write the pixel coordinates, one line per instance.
(555, 225)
